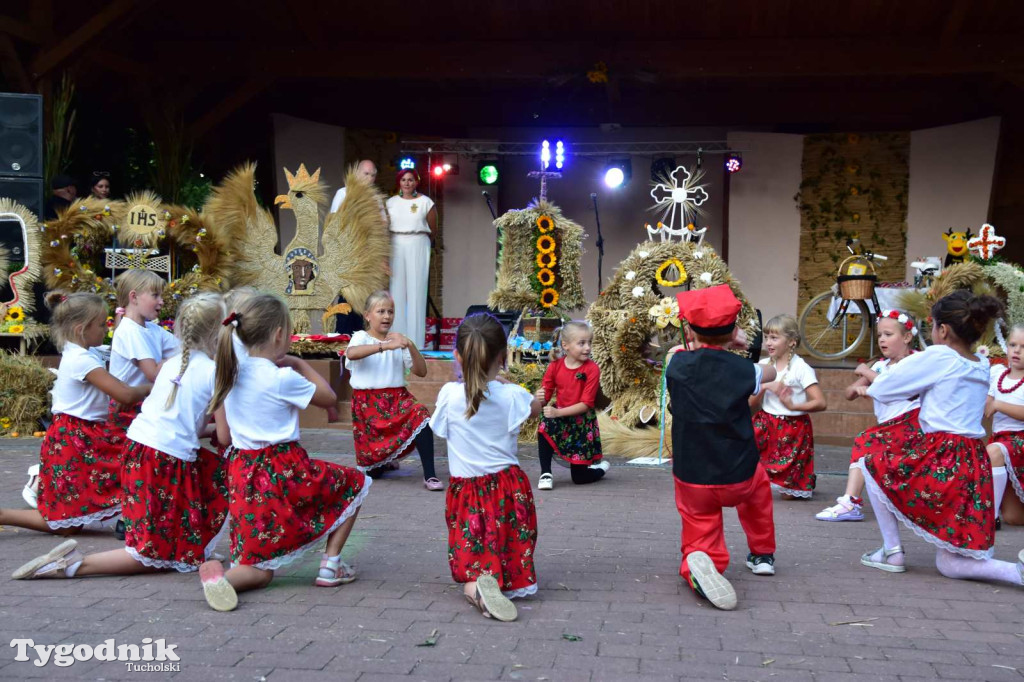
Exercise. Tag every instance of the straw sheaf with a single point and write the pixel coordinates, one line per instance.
(24, 391)
(517, 261)
(23, 281)
(622, 324)
(119, 214)
(81, 225)
(628, 442)
(357, 245)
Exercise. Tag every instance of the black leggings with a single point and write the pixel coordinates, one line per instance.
(425, 447)
(581, 473)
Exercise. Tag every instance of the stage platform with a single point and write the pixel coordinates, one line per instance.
(836, 426)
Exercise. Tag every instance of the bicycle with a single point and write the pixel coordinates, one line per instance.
(831, 330)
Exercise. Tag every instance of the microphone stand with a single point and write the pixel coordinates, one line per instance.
(494, 215)
(599, 243)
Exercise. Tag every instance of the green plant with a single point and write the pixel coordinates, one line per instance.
(60, 135)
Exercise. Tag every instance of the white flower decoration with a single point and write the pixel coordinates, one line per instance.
(902, 319)
(631, 275)
(665, 313)
(983, 351)
(698, 254)
(643, 254)
(706, 278)
(638, 292)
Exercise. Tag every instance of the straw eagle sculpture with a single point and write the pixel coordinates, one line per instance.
(356, 244)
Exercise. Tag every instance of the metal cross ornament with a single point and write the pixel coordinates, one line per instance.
(680, 193)
(986, 243)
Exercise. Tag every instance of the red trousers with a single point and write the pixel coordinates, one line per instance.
(700, 507)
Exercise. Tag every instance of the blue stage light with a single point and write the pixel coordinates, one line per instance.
(407, 163)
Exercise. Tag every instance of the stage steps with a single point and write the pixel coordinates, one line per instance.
(836, 426)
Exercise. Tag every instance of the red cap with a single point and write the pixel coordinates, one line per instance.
(711, 311)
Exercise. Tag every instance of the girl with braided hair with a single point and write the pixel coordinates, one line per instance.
(174, 494)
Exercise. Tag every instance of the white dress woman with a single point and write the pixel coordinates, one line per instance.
(413, 226)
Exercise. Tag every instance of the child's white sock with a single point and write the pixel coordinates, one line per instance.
(999, 484)
(72, 569)
(332, 566)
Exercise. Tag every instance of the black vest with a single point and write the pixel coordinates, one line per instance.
(712, 430)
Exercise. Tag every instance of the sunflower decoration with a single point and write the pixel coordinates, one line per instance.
(549, 298)
(546, 244)
(671, 263)
(15, 314)
(16, 329)
(546, 260)
(546, 277)
(545, 224)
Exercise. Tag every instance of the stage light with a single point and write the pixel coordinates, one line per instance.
(447, 167)
(406, 163)
(487, 173)
(545, 154)
(661, 168)
(438, 170)
(559, 155)
(734, 163)
(617, 173)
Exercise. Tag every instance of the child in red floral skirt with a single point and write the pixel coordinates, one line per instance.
(174, 493)
(1005, 406)
(897, 422)
(782, 425)
(492, 523)
(569, 428)
(281, 502)
(80, 467)
(139, 344)
(941, 489)
(387, 422)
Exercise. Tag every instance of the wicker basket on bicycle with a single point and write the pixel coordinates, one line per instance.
(857, 278)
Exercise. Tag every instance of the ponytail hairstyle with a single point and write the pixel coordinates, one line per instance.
(196, 326)
(238, 296)
(966, 315)
(255, 321)
(480, 342)
(567, 333)
(71, 314)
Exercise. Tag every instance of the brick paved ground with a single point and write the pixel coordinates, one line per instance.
(607, 562)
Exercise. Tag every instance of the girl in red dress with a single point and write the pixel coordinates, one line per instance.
(80, 458)
(782, 425)
(941, 488)
(281, 502)
(174, 493)
(897, 423)
(492, 523)
(1005, 406)
(387, 422)
(569, 428)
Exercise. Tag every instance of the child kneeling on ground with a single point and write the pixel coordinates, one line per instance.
(715, 458)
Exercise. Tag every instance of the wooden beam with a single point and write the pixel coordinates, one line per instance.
(89, 31)
(690, 59)
(228, 106)
(13, 69)
(20, 30)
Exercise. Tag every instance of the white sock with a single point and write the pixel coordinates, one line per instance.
(999, 484)
(332, 564)
(72, 569)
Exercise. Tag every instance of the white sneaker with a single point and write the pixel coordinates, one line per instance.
(546, 482)
(603, 465)
(30, 492)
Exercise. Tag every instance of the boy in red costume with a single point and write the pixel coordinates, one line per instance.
(715, 459)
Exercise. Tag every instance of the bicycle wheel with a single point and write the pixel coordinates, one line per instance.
(830, 337)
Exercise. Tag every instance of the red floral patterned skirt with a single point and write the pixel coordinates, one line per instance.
(121, 416)
(1013, 442)
(576, 440)
(79, 472)
(173, 510)
(492, 528)
(889, 436)
(786, 445)
(941, 489)
(282, 503)
(385, 421)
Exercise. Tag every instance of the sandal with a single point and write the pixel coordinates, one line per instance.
(31, 490)
(490, 600)
(433, 483)
(343, 574)
(884, 565)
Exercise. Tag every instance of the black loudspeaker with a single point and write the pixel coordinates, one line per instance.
(21, 135)
(26, 191)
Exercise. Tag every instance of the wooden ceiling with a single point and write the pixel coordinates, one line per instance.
(446, 67)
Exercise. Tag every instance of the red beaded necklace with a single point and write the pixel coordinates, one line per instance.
(999, 384)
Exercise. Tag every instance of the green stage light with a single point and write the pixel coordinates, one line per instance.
(487, 173)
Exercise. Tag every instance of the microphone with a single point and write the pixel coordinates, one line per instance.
(487, 198)
(599, 243)
(593, 195)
